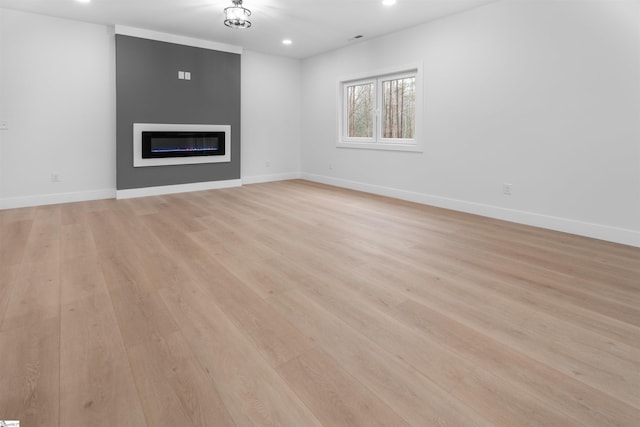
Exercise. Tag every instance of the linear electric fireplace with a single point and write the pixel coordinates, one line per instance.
(156, 144)
(182, 144)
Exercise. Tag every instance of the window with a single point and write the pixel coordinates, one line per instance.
(399, 108)
(360, 109)
(381, 112)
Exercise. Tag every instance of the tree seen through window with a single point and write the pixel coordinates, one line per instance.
(399, 96)
(360, 103)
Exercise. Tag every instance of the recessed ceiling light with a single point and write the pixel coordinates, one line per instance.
(388, 2)
(83, 1)
(287, 41)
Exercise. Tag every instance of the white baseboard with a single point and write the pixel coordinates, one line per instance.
(257, 179)
(54, 199)
(596, 231)
(179, 188)
(82, 196)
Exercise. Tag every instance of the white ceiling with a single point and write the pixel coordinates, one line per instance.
(315, 26)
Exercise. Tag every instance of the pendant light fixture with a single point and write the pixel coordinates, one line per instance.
(237, 16)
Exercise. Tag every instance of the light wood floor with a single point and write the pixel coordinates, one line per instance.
(297, 304)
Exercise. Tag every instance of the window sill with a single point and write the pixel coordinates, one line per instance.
(415, 148)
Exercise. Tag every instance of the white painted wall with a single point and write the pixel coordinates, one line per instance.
(542, 95)
(57, 81)
(271, 117)
(57, 91)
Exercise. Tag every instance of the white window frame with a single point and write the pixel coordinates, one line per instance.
(377, 142)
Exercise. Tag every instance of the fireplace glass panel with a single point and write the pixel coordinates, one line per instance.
(182, 144)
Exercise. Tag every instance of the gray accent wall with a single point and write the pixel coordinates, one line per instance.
(148, 91)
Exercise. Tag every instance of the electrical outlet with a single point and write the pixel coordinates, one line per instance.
(55, 177)
(330, 166)
(506, 189)
(267, 164)
(4, 125)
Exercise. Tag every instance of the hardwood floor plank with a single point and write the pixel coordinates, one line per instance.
(429, 357)
(174, 389)
(46, 223)
(122, 258)
(77, 243)
(141, 206)
(141, 316)
(570, 349)
(265, 277)
(81, 279)
(404, 389)
(564, 394)
(7, 281)
(81, 275)
(439, 351)
(505, 404)
(96, 385)
(606, 301)
(18, 214)
(333, 395)
(225, 244)
(13, 241)
(274, 337)
(546, 300)
(29, 373)
(151, 264)
(35, 296)
(489, 313)
(253, 393)
(122, 270)
(183, 212)
(593, 269)
(173, 237)
(73, 213)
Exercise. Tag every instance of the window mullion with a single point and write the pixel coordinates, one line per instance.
(378, 135)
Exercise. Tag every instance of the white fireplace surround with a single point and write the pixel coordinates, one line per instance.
(138, 128)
